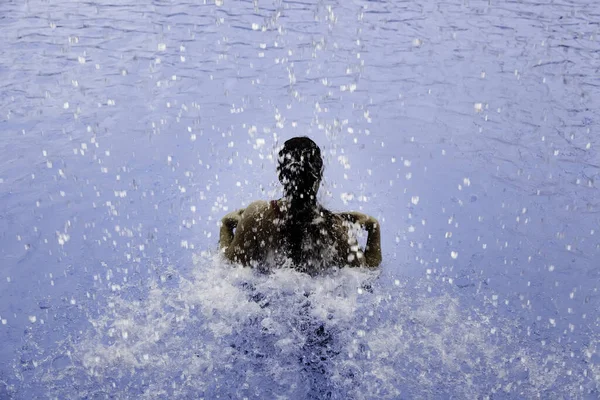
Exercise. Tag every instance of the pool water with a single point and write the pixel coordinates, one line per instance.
(468, 128)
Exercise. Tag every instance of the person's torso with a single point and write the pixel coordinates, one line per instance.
(311, 245)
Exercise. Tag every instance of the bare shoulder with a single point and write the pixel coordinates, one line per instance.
(257, 205)
(339, 222)
(258, 216)
(254, 224)
(256, 210)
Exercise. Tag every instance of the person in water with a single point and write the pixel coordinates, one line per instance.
(296, 227)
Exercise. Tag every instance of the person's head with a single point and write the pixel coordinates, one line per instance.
(300, 170)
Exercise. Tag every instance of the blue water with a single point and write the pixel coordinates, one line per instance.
(468, 128)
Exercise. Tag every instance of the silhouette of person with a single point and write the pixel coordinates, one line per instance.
(296, 227)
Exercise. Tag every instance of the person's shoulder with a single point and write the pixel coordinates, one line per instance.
(334, 223)
(335, 217)
(258, 209)
(257, 206)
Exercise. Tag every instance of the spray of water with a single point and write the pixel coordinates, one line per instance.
(233, 332)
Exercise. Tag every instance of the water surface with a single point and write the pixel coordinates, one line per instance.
(468, 128)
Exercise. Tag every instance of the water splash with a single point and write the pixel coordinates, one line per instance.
(233, 332)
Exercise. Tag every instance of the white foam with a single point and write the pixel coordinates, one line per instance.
(232, 331)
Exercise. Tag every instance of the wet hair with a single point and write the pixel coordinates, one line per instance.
(300, 171)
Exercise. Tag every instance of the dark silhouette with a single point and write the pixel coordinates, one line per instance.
(297, 227)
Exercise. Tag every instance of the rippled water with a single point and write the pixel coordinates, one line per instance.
(469, 128)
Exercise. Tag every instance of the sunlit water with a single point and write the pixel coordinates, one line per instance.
(469, 129)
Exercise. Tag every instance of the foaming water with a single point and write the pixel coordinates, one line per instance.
(232, 332)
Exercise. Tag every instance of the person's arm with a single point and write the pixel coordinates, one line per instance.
(373, 247)
(242, 245)
(228, 224)
(371, 225)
